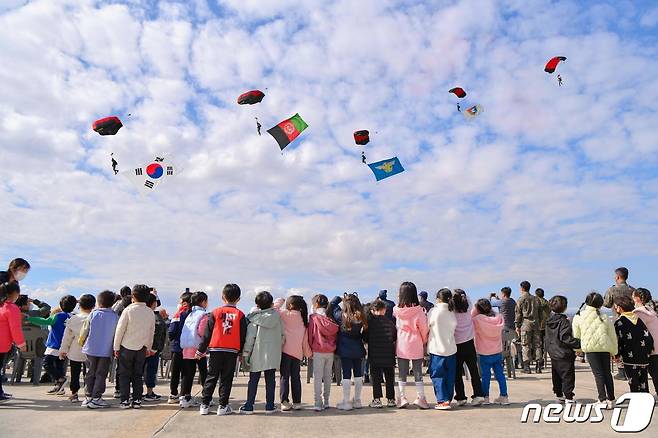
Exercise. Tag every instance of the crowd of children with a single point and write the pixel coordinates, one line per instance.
(444, 339)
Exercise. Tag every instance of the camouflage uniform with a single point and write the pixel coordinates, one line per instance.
(615, 291)
(544, 313)
(527, 320)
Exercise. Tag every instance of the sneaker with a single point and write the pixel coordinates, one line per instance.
(403, 402)
(569, 401)
(244, 411)
(125, 405)
(610, 404)
(53, 390)
(390, 403)
(296, 407)
(185, 403)
(173, 400)
(502, 400)
(98, 403)
(203, 409)
(153, 397)
(561, 399)
(462, 402)
(421, 402)
(5, 397)
(117, 394)
(344, 406)
(477, 401)
(137, 404)
(376, 403)
(356, 404)
(486, 401)
(285, 406)
(600, 404)
(318, 407)
(443, 406)
(85, 402)
(225, 410)
(61, 390)
(73, 398)
(270, 411)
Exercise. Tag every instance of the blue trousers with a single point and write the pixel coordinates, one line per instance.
(495, 362)
(151, 370)
(252, 389)
(442, 372)
(351, 365)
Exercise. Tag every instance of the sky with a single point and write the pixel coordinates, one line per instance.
(554, 185)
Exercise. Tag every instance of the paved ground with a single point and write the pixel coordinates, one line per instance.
(33, 413)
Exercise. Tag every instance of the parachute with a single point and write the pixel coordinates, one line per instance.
(107, 126)
(458, 91)
(552, 63)
(472, 112)
(362, 137)
(251, 97)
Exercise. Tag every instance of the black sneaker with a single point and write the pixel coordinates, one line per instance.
(5, 397)
(153, 397)
(125, 405)
(137, 404)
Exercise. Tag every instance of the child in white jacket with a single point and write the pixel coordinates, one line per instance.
(442, 348)
(71, 347)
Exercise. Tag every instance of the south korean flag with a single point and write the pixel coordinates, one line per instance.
(146, 178)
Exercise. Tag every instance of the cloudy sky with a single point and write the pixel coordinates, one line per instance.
(556, 185)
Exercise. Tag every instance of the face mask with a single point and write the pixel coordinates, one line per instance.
(20, 275)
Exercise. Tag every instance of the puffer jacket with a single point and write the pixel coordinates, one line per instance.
(411, 323)
(595, 331)
(70, 344)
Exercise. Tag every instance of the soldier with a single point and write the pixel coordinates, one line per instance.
(620, 288)
(527, 327)
(544, 313)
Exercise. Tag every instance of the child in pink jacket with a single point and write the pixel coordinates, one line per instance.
(411, 322)
(322, 334)
(295, 347)
(488, 331)
(647, 311)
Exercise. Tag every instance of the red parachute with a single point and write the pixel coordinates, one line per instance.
(362, 137)
(552, 63)
(458, 91)
(107, 126)
(251, 97)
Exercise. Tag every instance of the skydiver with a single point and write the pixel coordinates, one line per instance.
(559, 80)
(258, 125)
(459, 107)
(363, 157)
(114, 164)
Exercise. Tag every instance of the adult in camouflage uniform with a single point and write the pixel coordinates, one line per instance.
(527, 327)
(620, 288)
(544, 313)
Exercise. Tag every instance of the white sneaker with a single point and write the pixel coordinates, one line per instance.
(403, 402)
(477, 401)
(318, 407)
(344, 406)
(85, 402)
(225, 410)
(296, 407)
(502, 400)
(569, 401)
(286, 406)
(600, 404)
(461, 402)
(184, 403)
(203, 409)
(486, 401)
(561, 399)
(356, 404)
(610, 404)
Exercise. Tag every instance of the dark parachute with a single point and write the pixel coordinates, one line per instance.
(251, 97)
(107, 126)
(362, 137)
(458, 91)
(552, 63)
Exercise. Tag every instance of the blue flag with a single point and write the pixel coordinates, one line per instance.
(385, 168)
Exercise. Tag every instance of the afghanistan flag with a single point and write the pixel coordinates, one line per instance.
(288, 130)
(385, 168)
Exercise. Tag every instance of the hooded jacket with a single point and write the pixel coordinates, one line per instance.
(595, 331)
(488, 333)
(442, 324)
(102, 324)
(389, 305)
(412, 331)
(635, 342)
(264, 341)
(560, 343)
(176, 326)
(10, 327)
(296, 343)
(650, 319)
(322, 333)
(381, 337)
(70, 344)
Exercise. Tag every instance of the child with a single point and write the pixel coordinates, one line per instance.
(132, 343)
(10, 325)
(224, 338)
(262, 351)
(174, 332)
(412, 334)
(96, 337)
(71, 348)
(322, 333)
(191, 336)
(442, 348)
(647, 310)
(159, 339)
(349, 348)
(381, 337)
(466, 353)
(635, 344)
(295, 347)
(488, 335)
(53, 365)
(560, 345)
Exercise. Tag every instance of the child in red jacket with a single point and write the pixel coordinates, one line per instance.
(10, 324)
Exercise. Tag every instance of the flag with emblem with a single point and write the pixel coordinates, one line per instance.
(385, 168)
(473, 111)
(147, 177)
(288, 130)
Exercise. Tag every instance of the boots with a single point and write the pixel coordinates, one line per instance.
(345, 405)
(358, 385)
(526, 367)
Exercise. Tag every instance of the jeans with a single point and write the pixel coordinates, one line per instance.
(290, 376)
(54, 366)
(349, 365)
(466, 355)
(221, 369)
(416, 366)
(322, 366)
(176, 368)
(564, 377)
(600, 364)
(76, 369)
(442, 372)
(131, 372)
(495, 362)
(252, 389)
(151, 370)
(378, 376)
(97, 370)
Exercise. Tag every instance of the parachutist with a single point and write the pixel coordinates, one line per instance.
(459, 108)
(258, 126)
(363, 157)
(559, 80)
(114, 164)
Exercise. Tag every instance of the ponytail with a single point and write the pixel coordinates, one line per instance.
(445, 296)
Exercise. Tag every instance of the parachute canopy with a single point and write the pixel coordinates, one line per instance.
(552, 63)
(473, 111)
(107, 126)
(362, 137)
(458, 91)
(251, 97)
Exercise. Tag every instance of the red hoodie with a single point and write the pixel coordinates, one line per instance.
(322, 333)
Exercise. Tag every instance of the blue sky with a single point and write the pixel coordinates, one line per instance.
(555, 185)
